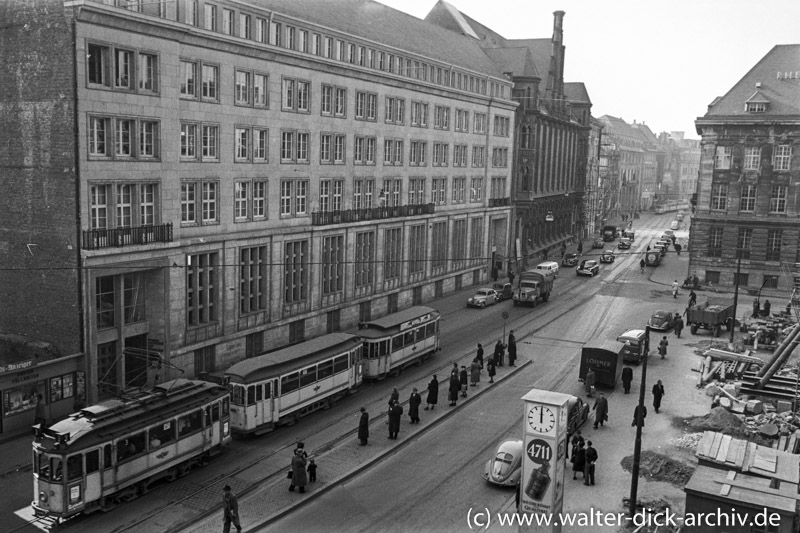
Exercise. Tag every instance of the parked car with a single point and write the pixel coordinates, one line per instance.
(570, 260)
(629, 234)
(588, 267)
(578, 414)
(598, 243)
(674, 224)
(482, 298)
(504, 291)
(624, 244)
(662, 321)
(607, 256)
(633, 349)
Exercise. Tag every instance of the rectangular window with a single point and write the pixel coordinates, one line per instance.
(295, 276)
(302, 41)
(339, 102)
(105, 302)
(440, 154)
(500, 157)
(391, 192)
(244, 26)
(242, 87)
(460, 155)
(416, 191)
(188, 203)
(747, 201)
(98, 206)
(97, 64)
(326, 105)
(123, 69)
(295, 95)
(502, 126)
(328, 47)
(123, 134)
(303, 94)
(393, 253)
(476, 239)
(260, 90)
(288, 100)
(210, 89)
(782, 157)
(419, 114)
(201, 289)
(325, 148)
(351, 53)
(774, 238)
(752, 157)
(441, 118)
(332, 264)
(98, 132)
(498, 188)
(148, 73)
(253, 294)
(188, 141)
(240, 200)
(340, 50)
(302, 148)
(439, 246)
(148, 139)
(287, 146)
(744, 243)
(227, 21)
(211, 17)
(719, 196)
(770, 281)
(274, 33)
(439, 191)
(190, 12)
(261, 30)
(209, 202)
(479, 156)
(338, 149)
(777, 200)
(417, 154)
(259, 199)
(417, 249)
(459, 190)
(462, 120)
(188, 72)
(242, 140)
(364, 260)
(259, 149)
(147, 203)
(715, 241)
(395, 110)
(480, 122)
(293, 198)
(722, 157)
(210, 142)
(291, 34)
(316, 44)
(459, 241)
(361, 105)
(476, 190)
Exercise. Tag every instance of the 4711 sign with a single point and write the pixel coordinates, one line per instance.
(540, 453)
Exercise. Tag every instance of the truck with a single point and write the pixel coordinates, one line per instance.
(652, 258)
(710, 315)
(604, 357)
(534, 287)
(609, 233)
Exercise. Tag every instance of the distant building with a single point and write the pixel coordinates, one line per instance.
(747, 191)
(681, 164)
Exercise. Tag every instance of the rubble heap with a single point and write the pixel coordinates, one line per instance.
(718, 419)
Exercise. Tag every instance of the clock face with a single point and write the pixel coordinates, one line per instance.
(541, 419)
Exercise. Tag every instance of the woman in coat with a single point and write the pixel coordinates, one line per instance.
(395, 412)
(475, 372)
(463, 378)
(299, 478)
(490, 369)
(363, 427)
(413, 406)
(499, 353)
(433, 394)
(578, 460)
(454, 389)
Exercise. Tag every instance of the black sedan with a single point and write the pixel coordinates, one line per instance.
(607, 256)
(598, 243)
(588, 267)
(570, 260)
(662, 320)
(624, 244)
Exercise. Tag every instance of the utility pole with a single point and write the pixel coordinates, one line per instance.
(736, 292)
(637, 448)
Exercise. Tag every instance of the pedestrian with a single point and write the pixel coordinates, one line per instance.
(454, 389)
(641, 264)
(678, 326)
(673, 239)
(578, 460)
(512, 348)
(692, 299)
(494, 274)
(454, 370)
(479, 355)
(475, 372)
(490, 369)
(591, 459)
(312, 471)
(627, 377)
(511, 277)
(395, 397)
(433, 394)
(414, 402)
(580, 247)
(767, 306)
(395, 413)
(658, 393)
(675, 289)
(230, 510)
(678, 248)
(301, 449)
(588, 382)
(463, 378)
(756, 308)
(662, 347)
(600, 410)
(499, 353)
(363, 427)
(299, 478)
(577, 439)
(639, 414)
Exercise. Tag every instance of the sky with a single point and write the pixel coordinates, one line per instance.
(660, 63)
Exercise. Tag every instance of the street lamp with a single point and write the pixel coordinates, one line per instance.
(637, 447)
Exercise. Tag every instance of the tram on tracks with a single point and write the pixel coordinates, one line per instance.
(397, 341)
(115, 450)
(280, 387)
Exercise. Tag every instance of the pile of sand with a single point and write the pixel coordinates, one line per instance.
(656, 467)
(719, 419)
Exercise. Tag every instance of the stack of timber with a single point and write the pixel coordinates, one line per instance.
(722, 364)
(722, 451)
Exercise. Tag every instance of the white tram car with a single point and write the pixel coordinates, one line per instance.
(399, 340)
(279, 387)
(114, 450)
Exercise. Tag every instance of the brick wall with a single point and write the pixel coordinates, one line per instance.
(38, 247)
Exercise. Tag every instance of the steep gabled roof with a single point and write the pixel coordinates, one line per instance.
(541, 51)
(783, 95)
(517, 61)
(645, 133)
(575, 91)
(617, 127)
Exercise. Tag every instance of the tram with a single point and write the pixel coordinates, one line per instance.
(399, 340)
(280, 387)
(115, 450)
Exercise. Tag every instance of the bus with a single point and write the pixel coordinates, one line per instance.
(397, 341)
(278, 388)
(115, 450)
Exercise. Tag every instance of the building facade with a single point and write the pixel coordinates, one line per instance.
(747, 208)
(247, 175)
(681, 164)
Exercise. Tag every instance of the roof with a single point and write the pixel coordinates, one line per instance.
(518, 61)
(603, 344)
(618, 127)
(403, 316)
(743, 489)
(748, 457)
(782, 94)
(382, 24)
(576, 92)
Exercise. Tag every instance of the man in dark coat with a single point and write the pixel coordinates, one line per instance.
(692, 298)
(591, 458)
(499, 352)
(627, 377)
(454, 389)
(230, 510)
(454, 370)
(363, 427)
(479, 355)
(767, 306)
(433, 394)
(299, 478)
(395, 413)
(639, 414)
(490, 369)
(756, 308)
(578, 460)
(600, 410)
(658, 393)
(463, 379)
(395, 397)
(413, 406)
(512, 348)
(678, 326)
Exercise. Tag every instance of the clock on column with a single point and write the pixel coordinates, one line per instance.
(541, 419)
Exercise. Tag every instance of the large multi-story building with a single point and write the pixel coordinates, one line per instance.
(598, 188)
(196, 182)
(747, 191)
(626, 146)
(680, 166)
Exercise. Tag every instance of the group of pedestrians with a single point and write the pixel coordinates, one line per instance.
(584, 457)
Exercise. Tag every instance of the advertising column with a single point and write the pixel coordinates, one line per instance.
(544, 458)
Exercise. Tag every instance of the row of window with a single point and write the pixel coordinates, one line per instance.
(747, 197)
(781, 157)
(744, 243)
(126, 205)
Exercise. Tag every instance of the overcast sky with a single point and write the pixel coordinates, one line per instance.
(660, 63)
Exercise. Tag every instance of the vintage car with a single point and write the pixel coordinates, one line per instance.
(505, 467)
(504, 291)
(598, 243)
(607, 256)
(482, 298)
(624, 244)
(570, 260)
(662, 321)
(588, 267)
(629, 234)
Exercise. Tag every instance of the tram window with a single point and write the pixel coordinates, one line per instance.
(340, 364)
(190, 423)
(238, 395)
(92, 461)
(259, 392)
(107, 456)
(430, 329)
(267, 390)
(226, 407)
(74, 467)
(43, 466)
(408, 339)
(131, 447)
(290, 383)
(215, 412)
(161, 434)
(325, 369)
(308, 376)
(420, 331)
(384, 348)
(251, 395)
(397, 343)
(57, 468)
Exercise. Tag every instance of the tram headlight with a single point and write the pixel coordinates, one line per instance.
(43, 497)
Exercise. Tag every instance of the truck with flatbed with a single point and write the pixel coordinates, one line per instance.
(534, 287)
(609, 233)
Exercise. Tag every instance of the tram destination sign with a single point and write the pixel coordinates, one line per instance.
(415, 322)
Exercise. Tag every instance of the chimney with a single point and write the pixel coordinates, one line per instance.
(555, 81)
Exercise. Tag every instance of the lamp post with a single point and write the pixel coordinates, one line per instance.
(637, 447)
(736, 292)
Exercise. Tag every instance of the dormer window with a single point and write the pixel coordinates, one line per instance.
(756, 107)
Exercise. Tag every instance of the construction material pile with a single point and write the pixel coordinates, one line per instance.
(688, 441)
